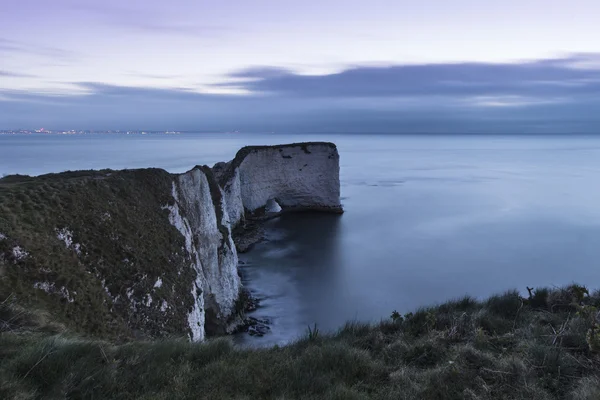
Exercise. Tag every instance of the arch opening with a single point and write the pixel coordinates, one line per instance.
(272, 207)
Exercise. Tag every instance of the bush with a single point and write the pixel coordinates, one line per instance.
(506, 305)
(466, 303)
(567, 298)
(424, 353)
(539, 298)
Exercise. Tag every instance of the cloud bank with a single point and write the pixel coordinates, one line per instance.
(559, 95)
(554, 77)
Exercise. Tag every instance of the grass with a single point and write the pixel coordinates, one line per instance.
(506, 347)
(126, 243)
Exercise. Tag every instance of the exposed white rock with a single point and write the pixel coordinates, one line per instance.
(105, 216)
(66, 235)
(178, 221)
(50, 288)
(272, 179)
(2, 236)
(272, 207)
(19, 253)
(233, 198)
(106, 288)
(211, 238)
(133, 303)
(65, 294)
(45, 286)
(300, 176)
(164, 306)
(196, 317)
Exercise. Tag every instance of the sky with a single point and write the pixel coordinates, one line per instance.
(328, 65)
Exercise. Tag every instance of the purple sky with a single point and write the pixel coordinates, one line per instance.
(372, 56)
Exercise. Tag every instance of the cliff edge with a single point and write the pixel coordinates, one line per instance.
(144, 253)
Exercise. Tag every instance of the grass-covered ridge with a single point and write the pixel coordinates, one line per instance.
(89, 248)
(506, 347)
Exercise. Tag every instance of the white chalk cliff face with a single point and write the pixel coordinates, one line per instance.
(233, 198)
(200, 215)
(153, 254)
(259, 179)
(303, 176)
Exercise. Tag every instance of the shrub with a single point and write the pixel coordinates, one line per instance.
(539, 298)
(420, 322)
(466, 303)
(567, 298)
(312, 333)
(424, 353)
(492, 324)
(506, 305)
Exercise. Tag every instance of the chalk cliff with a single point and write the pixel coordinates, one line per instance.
(302, 176)
(200, 215)
(146, 253)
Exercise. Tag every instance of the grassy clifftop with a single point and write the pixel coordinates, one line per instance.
(506, 347)
(92, 248)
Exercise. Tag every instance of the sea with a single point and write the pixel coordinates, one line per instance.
(427, 218)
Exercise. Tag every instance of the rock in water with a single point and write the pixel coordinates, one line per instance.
(303, 176)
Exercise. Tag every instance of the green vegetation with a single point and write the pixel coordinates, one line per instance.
(507, 347)
(121, 243)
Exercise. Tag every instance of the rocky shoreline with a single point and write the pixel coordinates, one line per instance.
(245, 236)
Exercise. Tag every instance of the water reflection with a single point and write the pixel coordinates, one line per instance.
(296, 274)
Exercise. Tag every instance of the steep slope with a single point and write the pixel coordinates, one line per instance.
(126, 253)
(145, 253)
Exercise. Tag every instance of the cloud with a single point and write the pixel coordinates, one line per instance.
(561, 77)
(261, 73)
(154, 76)
(8, 46)
(101, 106)
(544, 96)
(10, 74)
(146, 20)
(11, 46)
(513, 101)
(102, 90)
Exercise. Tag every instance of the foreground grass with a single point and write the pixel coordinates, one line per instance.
(507, 347)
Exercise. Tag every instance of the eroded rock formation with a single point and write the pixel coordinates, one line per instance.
(303, 176)
(147, 253)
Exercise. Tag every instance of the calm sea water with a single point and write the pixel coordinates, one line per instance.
(427, 218)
